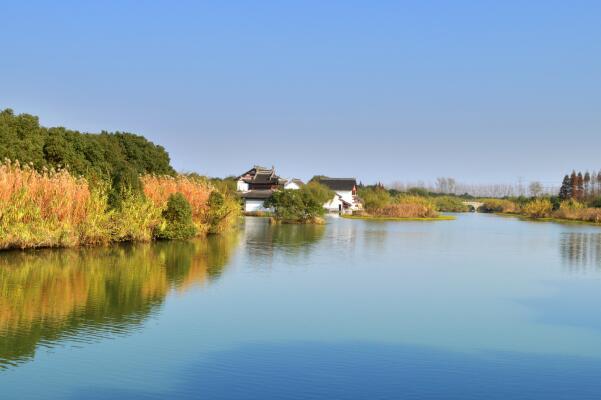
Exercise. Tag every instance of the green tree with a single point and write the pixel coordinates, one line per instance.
(321, 193)
(565, 192)
(295, 206)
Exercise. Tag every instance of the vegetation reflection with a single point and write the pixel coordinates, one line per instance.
(263, 238)
(581, 250)
(51, 296)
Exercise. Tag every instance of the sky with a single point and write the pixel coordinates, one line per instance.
(482, 91)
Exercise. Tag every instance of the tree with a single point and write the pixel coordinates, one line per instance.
(565, 192)
(573, 184)
(91, 155)
(321, 193)
(579, 193)
(295, 206)
(374, 198)
(536, 189)
(587, 184)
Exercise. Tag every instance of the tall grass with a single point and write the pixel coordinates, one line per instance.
(499, 206)
(196, 191)
(52, 208)
(407, 206)
(40, 209)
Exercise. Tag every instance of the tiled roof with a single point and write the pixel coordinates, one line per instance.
(257, 194)
(339, 183)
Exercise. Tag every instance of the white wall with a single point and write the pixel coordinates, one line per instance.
(291, 185)
(334, 204)
(347, 195)
(242, 186)
(252, 205)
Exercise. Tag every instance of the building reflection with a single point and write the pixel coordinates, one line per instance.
(581, 251)
(51, 296)
(263, 240)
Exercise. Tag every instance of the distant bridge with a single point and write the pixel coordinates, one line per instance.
(474, 204)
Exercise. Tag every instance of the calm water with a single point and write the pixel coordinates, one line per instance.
(483, 307)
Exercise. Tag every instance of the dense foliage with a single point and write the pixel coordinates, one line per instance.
(295, 206)
(94, 156)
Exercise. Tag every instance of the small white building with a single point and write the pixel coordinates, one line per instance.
(294, 184)
(257, 185)
(345, 199)
(254, 200)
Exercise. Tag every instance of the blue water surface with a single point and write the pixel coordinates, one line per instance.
(480, 307)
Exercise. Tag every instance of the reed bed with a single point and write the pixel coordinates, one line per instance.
(53, 208)
(407, 207)
(40, 209)
(196, 191)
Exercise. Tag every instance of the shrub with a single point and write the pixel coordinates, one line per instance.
(374, 198)
(295, 206)
(177, 219)
(321, 193)
(136, 219)
(222, 210)
(124, 182)
(538, 208)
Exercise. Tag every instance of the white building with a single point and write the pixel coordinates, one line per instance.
(294, 184)
(257, 185)
(345, 199)
(254, 200)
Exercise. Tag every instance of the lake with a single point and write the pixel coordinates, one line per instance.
(483, 307)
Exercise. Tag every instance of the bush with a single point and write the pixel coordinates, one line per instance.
(538, 208)
(222, 210)
(124, 182)
(177, 219)
(136, 219)
(295, 206)
(321, 193)
(374, 198)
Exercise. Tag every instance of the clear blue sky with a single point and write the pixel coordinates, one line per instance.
(483, 91)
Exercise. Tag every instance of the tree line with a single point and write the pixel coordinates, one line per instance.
(104, 155)
(580, 187)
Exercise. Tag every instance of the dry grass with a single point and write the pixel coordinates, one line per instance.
(40, 209)
(56, 209)
(499, 206)
(574, 211)
(197, 192)
(407, 207)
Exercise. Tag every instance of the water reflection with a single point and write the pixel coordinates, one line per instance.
(52, 296)
(581, 251)
(263, 240)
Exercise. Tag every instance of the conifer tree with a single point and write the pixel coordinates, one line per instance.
(587, 184)
(579, 194)
(565, 192)
(573, 184)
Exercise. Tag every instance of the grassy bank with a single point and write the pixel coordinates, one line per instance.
(544, 210)
(53, 208)
(407, 219)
